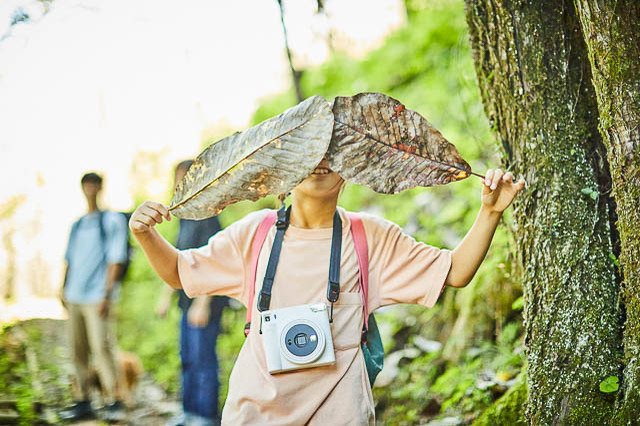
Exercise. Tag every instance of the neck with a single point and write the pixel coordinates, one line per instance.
(93, 204)
(312, 213)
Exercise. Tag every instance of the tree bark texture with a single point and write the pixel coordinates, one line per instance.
(534, 76)
(612, 34)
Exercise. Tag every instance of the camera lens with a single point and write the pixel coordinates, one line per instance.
(301, 340)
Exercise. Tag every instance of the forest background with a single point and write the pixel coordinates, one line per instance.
(428, 66)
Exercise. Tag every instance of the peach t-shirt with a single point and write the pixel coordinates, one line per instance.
(401, 270)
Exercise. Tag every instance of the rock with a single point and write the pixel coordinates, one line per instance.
(9, 416)
(390, 370)
(445, 421)
(426, 345)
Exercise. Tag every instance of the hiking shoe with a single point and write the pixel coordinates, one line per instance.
(79, 411)
(113, 413)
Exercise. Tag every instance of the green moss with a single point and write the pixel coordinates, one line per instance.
(508, 409)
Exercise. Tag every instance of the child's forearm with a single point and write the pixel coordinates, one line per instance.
(162, 256)
(467, 257)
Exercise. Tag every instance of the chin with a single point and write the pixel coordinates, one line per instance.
(320, 186)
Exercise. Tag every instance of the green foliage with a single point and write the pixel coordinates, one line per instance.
(614, 259)
(590, 192)
(15, 378)
(30, 368)
(610, 384)
(508, 409)
(518, 304)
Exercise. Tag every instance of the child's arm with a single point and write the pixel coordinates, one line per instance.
(161, 254)
(498, 192)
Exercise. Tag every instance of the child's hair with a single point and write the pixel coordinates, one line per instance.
(184, 165)
(91, 177)
(344, 184)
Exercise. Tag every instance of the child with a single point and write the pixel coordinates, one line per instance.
(401, 270)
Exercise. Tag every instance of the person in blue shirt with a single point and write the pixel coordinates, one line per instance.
(96, 251)
(199, 328)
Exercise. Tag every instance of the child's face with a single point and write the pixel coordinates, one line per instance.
(322, 182)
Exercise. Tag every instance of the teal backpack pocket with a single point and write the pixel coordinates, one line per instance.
(372, 349)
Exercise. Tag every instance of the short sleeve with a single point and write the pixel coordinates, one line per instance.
(220, 267)
(117, 234)
(403, 270)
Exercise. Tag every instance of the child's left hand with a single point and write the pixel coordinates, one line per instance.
(499, 190)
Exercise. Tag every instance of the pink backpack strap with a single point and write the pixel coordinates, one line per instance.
(362, 252)
(256, 247)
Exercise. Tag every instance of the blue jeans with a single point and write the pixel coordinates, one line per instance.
(199, 368)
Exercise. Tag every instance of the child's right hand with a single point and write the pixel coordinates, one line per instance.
(147, 215)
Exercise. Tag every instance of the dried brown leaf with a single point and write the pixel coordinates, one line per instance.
(269, 158)
(379, 143)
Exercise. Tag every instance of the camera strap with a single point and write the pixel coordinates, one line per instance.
(333, 288)
(282, 223)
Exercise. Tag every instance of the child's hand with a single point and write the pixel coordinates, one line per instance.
(146, 216)
(163, 308)
(199, 312)
(499, 190)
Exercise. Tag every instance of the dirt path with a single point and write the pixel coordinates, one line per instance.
(41, 353)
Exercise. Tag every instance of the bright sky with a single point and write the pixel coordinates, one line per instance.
(94, 85)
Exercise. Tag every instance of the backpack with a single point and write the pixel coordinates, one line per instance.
(128, 247)
(371, 342)
(103, 240)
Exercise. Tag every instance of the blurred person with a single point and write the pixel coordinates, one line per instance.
(308, 237)
(96, 252)
(199, 328)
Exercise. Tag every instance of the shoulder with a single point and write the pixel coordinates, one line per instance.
(376, 225)
(248, 224)
(113, 218)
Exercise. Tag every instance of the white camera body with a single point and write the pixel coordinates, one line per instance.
(297, 337)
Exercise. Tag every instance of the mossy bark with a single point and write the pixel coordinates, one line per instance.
(612, 33)
(534, 76)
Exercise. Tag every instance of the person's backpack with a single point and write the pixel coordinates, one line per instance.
(371, 342)
(103, 241)
(128, 249)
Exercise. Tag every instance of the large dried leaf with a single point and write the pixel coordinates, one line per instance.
(270, 158)
(379, 143)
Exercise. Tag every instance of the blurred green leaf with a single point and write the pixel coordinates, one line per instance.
(518, 303)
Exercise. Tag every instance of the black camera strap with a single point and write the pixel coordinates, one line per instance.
(282, 223)
(333, 288)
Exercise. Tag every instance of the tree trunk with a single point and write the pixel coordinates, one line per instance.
(612, 33)
(534, 75)
(295, 74)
